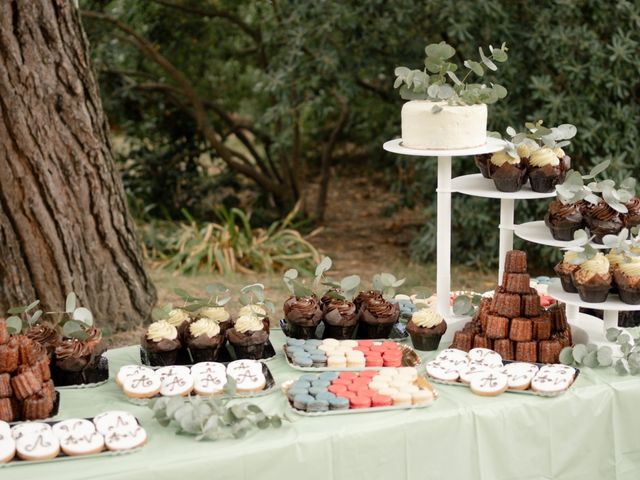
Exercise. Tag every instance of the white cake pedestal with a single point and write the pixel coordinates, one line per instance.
(443, 246)
(478, 186)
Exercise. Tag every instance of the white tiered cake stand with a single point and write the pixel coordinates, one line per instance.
(592, 327)
(475, 185)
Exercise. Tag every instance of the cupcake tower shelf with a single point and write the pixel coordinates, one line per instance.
(538, 232)
(444, 190)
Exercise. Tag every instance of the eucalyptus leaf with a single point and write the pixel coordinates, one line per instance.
(83, 315)
(579, 352)
(70, 302)
(71, 327)
(604, 356)
(35, 317)
(14, 325)
(620, 367)
(292, 274)
(591, 359)
(566, 356)
(487, 62)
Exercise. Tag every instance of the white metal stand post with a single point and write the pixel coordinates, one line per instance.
(507, 208)
(443, 246)
(610, 320)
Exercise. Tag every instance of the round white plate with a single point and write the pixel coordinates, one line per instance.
(395, 146)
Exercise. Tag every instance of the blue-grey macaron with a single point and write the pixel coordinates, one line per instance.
(302, 401)
(294, 342)
(318, 406)
(339, 403)
(328, 396)
(316, 390)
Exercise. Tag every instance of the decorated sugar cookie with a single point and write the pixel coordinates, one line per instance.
(519, 374)
(109, 421)
(177, 385)
(27, 428)
(209, 383)
(550, 381)
(38, 446)
(7, 443)
(209, 367)
(485, 356)
(558, 369)
(76, 427)
(125, 438)
(83, 444)
(471, 370)
(248, 379)
(243, 365)
(171, 371)
(442, 370)
(454, 355)
(143, 385)
(129, 371)
(491, 383)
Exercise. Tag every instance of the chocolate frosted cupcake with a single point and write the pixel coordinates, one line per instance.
(364, 297)
(79, 362)
(593, 280)
(507, 172)
(377, 318)
(603, 220)
(565, 269)
(545, 170)
(632, 218)
(204, 339)
(563, 220)
(340, 319)
(426, 328)
(482, 162)
(248, 337)
(218, 315)
(303, 314)
(161, 343)
(627, 278)
(46, 335)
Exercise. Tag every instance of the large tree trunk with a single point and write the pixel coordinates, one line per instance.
(64, 224)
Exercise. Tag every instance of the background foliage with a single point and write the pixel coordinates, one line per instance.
(311, 84)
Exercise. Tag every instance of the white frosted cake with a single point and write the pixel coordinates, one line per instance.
(453, 127)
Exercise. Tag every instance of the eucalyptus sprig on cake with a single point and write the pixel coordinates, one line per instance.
(445, 109)
(21, 318)
(339, 312)
(302, 310)
(593, 356)
(212, 418)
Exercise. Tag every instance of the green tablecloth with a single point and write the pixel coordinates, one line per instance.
(591, 432)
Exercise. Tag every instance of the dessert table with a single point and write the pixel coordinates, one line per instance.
(592, 431)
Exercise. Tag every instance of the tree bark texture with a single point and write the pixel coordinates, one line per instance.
(64, 224)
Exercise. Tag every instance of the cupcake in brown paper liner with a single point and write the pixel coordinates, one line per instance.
(563, 220)
(627, 278)
(507, 172)
(593, 279)
(546, 169)
(80, 361)
(603, 220)
(426, 327)
(377, 318)
(248, 337)
(204, 338)
(161, 343)
(565, 270)
(303, 314)
(340, 319)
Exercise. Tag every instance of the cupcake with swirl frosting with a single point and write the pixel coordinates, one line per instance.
(80, 361)
(204, 339)
(603, 220)
(377, 318)
(632, 218)
(546, 169)
(365, 296)
(426, 328)
(217, 314)
(627, 277)
(248, 337)
(592, 279)
(180, 319)
(565, 270)
(303, 314)
(46, 335)
(259, 310)
(340, 319)
(564, 219)
(507, 172)
(161, 343)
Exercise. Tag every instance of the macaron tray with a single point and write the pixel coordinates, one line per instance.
(339, 393)
(486, 374)
(140, 383)
(347, 355)
(108, 434)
